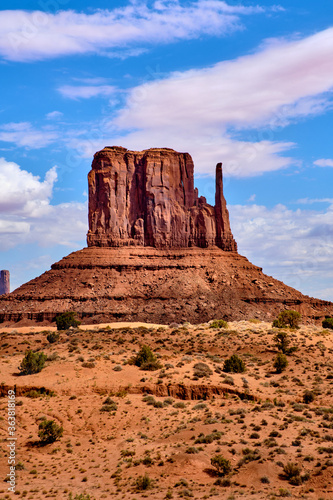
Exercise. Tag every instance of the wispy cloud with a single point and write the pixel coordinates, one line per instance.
(86, 91)
(24, 134)
(295, 246)
(311, 201)
(54, 115)
(37, 35)
(324, 162)
(202, 110)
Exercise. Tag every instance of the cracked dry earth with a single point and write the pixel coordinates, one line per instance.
(169, 423)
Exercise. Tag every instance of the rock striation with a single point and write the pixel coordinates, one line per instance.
(156, 286)
(147, 198)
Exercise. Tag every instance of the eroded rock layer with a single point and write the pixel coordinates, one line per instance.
(156, 286)
(147, 198)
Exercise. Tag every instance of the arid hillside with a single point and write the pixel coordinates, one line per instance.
(162, 430)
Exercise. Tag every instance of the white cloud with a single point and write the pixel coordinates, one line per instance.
(22, 193)
(54, 115)
(311, 201)
(86, 91)
(324, 162)
(295, 246)
(36, 35)
(27, 215)
(201, 110)
(24, 134)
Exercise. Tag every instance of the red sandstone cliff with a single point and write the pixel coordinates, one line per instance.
(147, 198)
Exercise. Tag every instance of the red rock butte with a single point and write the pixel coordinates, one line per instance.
(147, 198)
(157, 252)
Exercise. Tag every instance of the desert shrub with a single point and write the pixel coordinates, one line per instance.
(202, 370)
(151, 366)
(33, 362)
(88, 364)
(234, 365)
(209, 438)
(200, 406)
(191, 450)
(53, 356)
(328, 323)
(288, 318)
(308, 397)
(282, 341)
(249, 455)
(280, 362)
(49, 431)
(221, 464)
(38, 393)
(109, 405)
(143, 483)
(179, 404)
(292, 473)
(81, 496)
(66, 320)
(218, 323)
(146, 359)
(53, 337)
(265, 480)
(117, 368)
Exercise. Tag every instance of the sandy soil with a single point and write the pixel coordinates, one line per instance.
(169, 423)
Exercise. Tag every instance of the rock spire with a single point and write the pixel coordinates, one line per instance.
(4, 282)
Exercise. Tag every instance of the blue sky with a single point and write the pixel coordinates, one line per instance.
(246, 83)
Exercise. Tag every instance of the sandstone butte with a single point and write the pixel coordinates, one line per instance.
(157, 252)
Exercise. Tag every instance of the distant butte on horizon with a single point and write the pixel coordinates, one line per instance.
(157, 252)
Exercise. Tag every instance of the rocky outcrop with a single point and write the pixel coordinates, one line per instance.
(147, 198)
(4, 282)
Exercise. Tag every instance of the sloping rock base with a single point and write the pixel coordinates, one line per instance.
(156, 286)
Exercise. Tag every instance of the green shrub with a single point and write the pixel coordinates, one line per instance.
(292, 473)
(218, 323)
(328, 323)
(287, 318)
(280, 363)
(234, 365)
(66, 320)
(282, 341)
(146, 359)
(308, 397)
(49, 431)
(53, 337)
(221, 464)
(209, 438)
(143, 483)
(33, 362)
(109, 405)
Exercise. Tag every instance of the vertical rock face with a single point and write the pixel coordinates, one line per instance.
(147, 198)
(4, 282)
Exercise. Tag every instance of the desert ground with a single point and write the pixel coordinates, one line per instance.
(131, 433)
